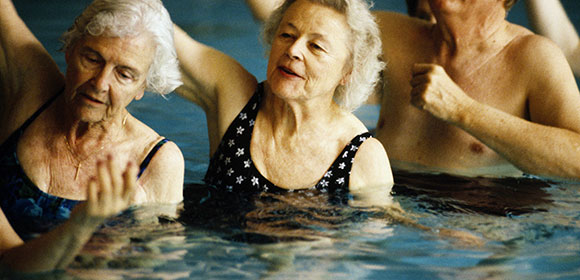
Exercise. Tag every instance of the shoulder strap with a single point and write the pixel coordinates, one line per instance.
(149, 156)
(338, 175)
(39, 111)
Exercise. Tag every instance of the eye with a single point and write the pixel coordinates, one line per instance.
(91, 58)
(317, 47)
(285, 35)
(126, 76)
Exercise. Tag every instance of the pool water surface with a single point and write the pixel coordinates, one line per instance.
(531, 226)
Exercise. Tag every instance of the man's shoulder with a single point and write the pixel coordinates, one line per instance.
(392, 23)
(534, 52)
(527, 43)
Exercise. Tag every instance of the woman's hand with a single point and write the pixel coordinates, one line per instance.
(107, 194)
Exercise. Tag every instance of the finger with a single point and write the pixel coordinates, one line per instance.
(422, 68)
(417, 96)
(420, 79)
(130, 181)
(92, 190)
(104, 182)
(116, 179)
(92, 198)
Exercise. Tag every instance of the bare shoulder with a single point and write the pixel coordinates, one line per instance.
(405, 39)
(162, 179)
(536, 51)
(389, 18)
(371, 178)
(551, 86)
(392, 23)
(371, 166)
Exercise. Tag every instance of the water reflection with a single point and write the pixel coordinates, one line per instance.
(483, 195)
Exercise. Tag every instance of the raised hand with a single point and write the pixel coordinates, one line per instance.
(109, 193)
(435, 92)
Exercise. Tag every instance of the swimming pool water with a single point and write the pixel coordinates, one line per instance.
(531, 226)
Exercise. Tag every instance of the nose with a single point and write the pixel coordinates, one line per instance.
(295, 50)
(101, 80)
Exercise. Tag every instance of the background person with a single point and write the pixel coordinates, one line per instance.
(549, 19)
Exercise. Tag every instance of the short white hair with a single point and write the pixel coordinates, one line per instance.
(122, 18)
(366, 48)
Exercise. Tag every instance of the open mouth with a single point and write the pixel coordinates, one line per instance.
(92, 99)
(288, 72)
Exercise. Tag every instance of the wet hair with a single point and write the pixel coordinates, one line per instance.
(128, 18)
(365, 63)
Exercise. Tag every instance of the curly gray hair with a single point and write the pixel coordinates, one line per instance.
(365, 50)
(120, 18)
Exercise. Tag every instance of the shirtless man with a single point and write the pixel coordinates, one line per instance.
(474, 94)
(482, 93)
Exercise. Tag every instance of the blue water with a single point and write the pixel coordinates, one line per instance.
(532, 227)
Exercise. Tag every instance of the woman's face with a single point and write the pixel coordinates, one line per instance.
(105, 74)
(309, 53)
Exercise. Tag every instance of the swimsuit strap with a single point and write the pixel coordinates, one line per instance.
(147, 159)
(337, 177)
(39, 111)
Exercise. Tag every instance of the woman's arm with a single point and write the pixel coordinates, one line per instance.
(28, 75)
(106, 196)
(214, 81)
(261, 9)
(549, 19)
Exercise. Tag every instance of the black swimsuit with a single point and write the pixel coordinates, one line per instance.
(232, 169)
(29, 210)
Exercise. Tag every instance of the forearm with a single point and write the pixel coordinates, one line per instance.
(533, 148)
(549, 19)
(53, 250)
(262, 9)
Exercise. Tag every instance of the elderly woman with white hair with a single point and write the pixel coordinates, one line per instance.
(57, 130)
(294, 131)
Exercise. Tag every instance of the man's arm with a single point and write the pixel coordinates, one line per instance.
(549, 19)
(548, 144)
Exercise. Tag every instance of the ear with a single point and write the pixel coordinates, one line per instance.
(345, 78)
(140, 95)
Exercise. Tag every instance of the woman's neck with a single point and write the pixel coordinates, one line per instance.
(295, 118)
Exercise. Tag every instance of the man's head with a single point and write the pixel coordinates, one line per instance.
(131, 18)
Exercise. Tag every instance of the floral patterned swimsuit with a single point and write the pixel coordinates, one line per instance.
(29, 210)
(231, 167)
